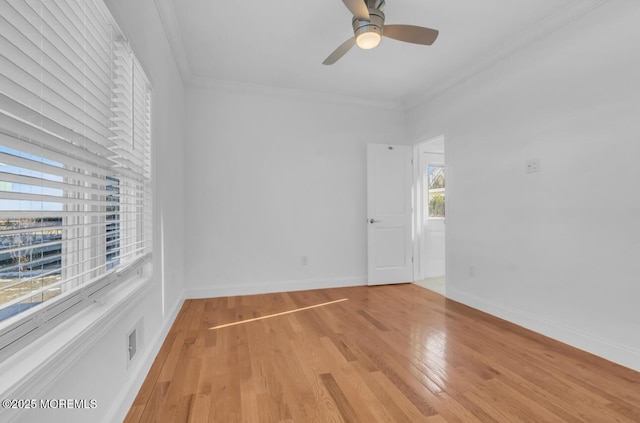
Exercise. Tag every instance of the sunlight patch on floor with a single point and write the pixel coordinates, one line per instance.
(434, 284)
(277, 314)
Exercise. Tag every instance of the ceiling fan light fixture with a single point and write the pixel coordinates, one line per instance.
(368, 32)
(368, 40)
(369, 27)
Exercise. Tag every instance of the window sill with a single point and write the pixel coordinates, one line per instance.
(34, 368)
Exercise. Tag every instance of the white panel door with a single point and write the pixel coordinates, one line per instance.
(390, 249)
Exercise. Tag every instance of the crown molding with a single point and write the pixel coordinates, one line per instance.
(291, 93)
(540, 30)
(174, 36)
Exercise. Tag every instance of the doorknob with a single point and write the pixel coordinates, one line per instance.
(372, 220)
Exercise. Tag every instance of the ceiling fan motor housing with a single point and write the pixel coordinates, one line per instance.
(368, 27)
(375, 22)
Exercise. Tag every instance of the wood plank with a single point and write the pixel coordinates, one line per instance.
(397, 353)
(344, 406)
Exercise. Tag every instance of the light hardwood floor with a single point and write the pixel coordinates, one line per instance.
(396, 353)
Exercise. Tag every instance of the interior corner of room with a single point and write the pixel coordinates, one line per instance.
(263, 168)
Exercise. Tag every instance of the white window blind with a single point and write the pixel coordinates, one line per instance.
(75, 158)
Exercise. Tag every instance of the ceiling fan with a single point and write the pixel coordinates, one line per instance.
(368, 29)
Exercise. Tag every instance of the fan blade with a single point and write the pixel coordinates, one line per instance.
(340, 51)
(358, 8)
(410, 34)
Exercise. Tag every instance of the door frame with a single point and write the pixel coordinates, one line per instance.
(418, 204)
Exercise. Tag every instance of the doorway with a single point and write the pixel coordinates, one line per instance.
(430, 215)
(389, 214)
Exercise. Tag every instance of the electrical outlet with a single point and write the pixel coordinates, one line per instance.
(532, 165)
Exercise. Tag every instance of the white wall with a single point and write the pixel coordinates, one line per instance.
(274, 176)
(101, 372)
(556, 251)
(141, 23)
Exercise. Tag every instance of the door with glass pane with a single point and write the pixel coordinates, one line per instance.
(434, 177)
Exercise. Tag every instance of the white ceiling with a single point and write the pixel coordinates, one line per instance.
(283, 43)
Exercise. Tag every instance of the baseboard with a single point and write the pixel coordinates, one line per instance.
(128, 394)
(40, 364)
(250, 288)
(596, 345)
(123, 402)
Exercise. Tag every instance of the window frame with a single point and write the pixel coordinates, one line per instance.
(21, 329)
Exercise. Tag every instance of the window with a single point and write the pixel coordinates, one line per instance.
(435, 191)
(75, 162)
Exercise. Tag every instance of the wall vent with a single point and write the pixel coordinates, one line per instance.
(134, 341)
(132, 347)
